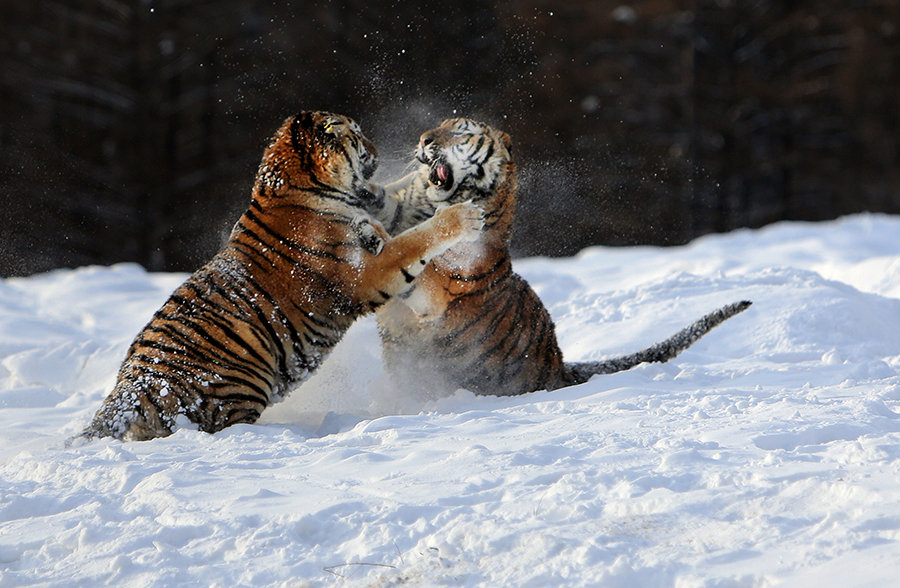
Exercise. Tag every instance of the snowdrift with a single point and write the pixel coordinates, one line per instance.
(768, 453)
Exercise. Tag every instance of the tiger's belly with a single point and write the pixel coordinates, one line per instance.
(501, 342)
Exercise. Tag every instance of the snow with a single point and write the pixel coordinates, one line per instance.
(768, 453)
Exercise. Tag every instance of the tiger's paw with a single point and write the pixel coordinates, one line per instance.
(368, 234)
(467, 218)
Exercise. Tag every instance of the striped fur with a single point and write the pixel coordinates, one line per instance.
(469, 321)
(297, 270)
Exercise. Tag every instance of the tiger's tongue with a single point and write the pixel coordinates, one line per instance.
(441, 175)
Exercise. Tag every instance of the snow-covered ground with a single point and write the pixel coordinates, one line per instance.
(769, 453)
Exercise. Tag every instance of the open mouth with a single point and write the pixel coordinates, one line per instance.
(441, 175)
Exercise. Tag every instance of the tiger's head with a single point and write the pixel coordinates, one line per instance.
(319, 152)
(465, 158)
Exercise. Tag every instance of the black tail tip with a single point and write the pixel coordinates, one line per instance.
(736, 307)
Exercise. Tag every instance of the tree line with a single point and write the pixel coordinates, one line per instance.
(131, 129)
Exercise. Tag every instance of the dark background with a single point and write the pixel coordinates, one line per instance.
(131, 129)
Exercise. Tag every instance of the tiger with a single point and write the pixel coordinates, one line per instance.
(470, 321)
(301, 264)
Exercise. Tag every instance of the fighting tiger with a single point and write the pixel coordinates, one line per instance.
(469, 321)
(301, 264)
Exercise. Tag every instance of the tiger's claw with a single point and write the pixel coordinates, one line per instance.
(367, 233)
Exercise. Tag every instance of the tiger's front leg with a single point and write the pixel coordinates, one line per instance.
(385, 199)
(406, 255)
(371, 235)
(402, 204)
(424, 299)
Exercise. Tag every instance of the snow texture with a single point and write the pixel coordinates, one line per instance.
(768, 453)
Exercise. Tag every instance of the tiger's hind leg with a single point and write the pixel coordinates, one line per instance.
(215, 414)
(137, 411)
(124, 418)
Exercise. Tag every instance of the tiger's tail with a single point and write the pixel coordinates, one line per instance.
(580, 372)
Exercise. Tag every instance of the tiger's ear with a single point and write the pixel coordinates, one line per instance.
(304, 120)
(507, 142)
(302, 126)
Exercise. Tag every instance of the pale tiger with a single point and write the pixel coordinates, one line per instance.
(470, 321)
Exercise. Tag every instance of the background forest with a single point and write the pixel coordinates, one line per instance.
(131, 129)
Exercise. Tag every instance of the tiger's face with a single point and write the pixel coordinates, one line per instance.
(463, 156)
(319, 149)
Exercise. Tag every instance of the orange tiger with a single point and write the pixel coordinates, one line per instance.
(300, 266)
(469, 321)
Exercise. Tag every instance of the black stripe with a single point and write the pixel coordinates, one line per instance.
(190, 350)
(237, 396)
(490, 151)
(478, 145)
(248, 415)
(179, 364)
(332, 216)
(481, 276)
(500, 310)
(233, 311)
(311, 319)
(214, 342)
(225, 327)
(511, 334)
(343, 150)
(263, 323)
(325, 187)
(296, 344)
(289, 242)
(329, 284)
(251, 253)
(244, 344)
